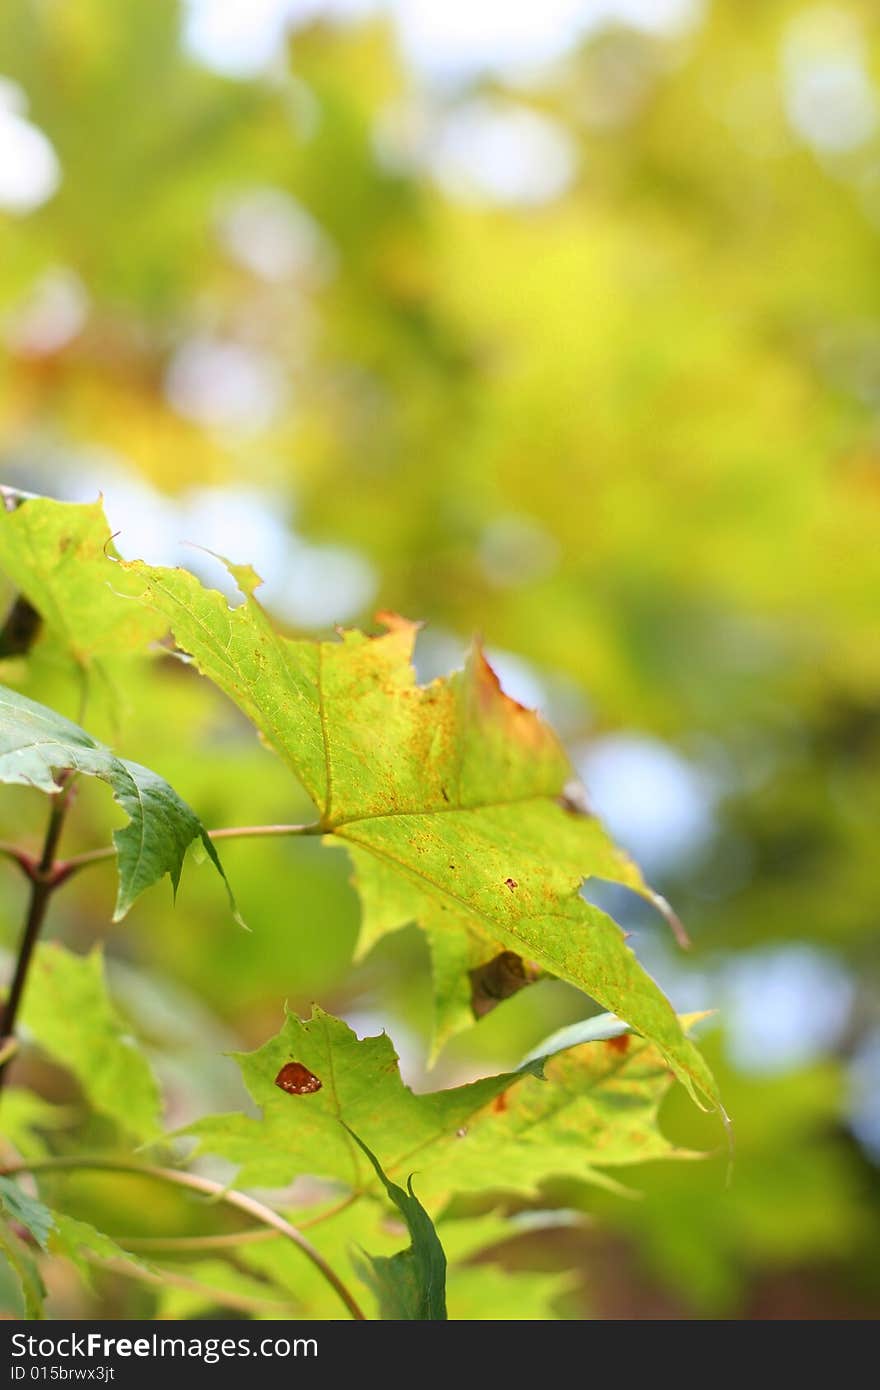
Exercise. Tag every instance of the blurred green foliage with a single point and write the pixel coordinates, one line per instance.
(629, 432)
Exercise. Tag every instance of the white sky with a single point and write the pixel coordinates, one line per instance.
(440, 38)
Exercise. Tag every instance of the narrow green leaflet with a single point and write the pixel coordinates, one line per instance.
(24, 1269)
(68, 1012)
(36, 745)
(508, 1132)
(598, 1028)
(480, 1291)
(411, 1284)
(453, 789)
(59, 556)
(85, 1246)
(27, 1211)
(56, 1234)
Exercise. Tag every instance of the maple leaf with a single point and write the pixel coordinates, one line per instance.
(600, 1111)
(450, 797)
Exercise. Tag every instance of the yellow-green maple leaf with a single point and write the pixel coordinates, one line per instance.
(452, 792)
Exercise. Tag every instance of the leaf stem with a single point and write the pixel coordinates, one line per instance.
(256, 832)
(265, 1215)
(173, 1245)
(21, 857)
(228, 1240)
(329, 1212)
(44, 881)
(232, 832)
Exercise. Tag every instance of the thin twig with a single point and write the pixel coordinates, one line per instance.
(265, 1215)
(330, 1212)
(173, 1245)
(43, 884)
(243, 1302)
(228, 1240)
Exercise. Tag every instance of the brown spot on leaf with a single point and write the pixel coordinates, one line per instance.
(21, 628)
(297, 1080)
(511, 883)
(619, 1044)
(499, 978)
(460, 1133)
(499, 1104)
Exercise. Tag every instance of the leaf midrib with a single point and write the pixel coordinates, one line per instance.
(338, 827)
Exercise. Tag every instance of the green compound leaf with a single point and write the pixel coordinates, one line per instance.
(508, 1133)
(36, 745)
(410, 1285)
(452, 791)
(68, 1012)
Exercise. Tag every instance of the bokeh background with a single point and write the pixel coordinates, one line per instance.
(559, 322)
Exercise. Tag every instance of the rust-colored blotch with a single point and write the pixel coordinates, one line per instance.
(297, 1080)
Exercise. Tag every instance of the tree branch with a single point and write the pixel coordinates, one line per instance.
(44, 881)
